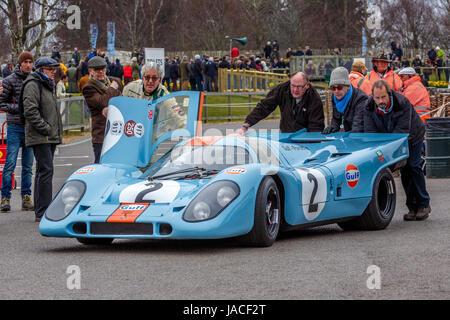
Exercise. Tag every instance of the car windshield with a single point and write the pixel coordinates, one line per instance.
(207, 158)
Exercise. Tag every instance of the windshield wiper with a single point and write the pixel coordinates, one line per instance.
(202, 173)
(199, 172)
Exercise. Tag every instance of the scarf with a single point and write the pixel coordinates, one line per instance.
(103, 85)
(388, 109)
(50, 84)
(341, 104)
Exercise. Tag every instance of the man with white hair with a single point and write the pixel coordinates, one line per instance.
(168, 114)
(416, 93)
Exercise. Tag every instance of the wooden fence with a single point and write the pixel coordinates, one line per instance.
(232, 80)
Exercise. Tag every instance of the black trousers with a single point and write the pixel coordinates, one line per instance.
(413, 180)
(43, 181)
(97, 151)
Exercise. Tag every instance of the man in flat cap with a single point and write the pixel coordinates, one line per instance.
(97, 93)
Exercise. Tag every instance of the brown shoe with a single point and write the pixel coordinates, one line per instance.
(27, 204)
(6, 205)
(410, 216)
(423, 213)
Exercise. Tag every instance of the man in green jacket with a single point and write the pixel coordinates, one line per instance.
(43, 128)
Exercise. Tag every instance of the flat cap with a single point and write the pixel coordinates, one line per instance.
(97, 62)
(45, 62)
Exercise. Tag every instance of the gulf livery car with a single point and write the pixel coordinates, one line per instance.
(214, 187)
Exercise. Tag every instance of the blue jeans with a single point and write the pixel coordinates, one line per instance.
(16, 140)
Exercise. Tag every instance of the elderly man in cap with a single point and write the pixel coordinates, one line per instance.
(388, 111)
(16, 135)
(348, 104)
(382, 71)
(416, 93)
(97, 93)
(300, 105)
(43, 128)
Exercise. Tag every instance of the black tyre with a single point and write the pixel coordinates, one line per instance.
(380, 211)
(95, 241)
(267, 215)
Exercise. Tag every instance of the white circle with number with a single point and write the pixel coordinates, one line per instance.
(314, 192)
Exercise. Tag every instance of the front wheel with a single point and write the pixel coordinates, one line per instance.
(380, 211)
(267, 215)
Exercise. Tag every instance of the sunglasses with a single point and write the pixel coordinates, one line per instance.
(338, 87)
(50, 69)
(153, 78)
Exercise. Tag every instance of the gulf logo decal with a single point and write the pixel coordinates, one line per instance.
(128, 212)
(85, 170)
(237, 170)
(352, 175)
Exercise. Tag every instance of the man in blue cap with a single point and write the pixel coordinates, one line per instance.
(43, 128)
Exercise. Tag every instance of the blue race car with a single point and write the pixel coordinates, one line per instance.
(215, 187)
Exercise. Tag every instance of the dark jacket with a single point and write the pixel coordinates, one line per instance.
(294, 117)
(97, 99)
(42, 118)
(174, 71)
(211, 69)
(353, 117)
(9, 100)
(402, 119)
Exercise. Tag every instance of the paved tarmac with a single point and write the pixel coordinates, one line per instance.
(412, 259)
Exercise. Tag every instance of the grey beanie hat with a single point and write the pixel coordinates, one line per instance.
(97, 62)
(339, 76)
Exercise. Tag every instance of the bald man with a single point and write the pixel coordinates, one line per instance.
(300, 105)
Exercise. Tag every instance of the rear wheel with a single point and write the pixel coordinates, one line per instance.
(267, 215)
(381, 209)
(95, 241)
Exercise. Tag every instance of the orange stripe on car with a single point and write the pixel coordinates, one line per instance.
(127, 212)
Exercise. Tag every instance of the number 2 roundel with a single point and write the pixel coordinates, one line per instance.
(314, 192)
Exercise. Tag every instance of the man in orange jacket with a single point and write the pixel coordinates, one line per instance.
(357, 77)
(382, 71)
(416, 93)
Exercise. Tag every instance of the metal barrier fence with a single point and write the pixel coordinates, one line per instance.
(74, 113)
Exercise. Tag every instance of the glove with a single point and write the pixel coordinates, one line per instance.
(329, 130)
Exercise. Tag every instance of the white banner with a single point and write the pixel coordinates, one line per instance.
(155, 55)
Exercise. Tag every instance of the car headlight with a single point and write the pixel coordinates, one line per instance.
(66, 200)
(211, 201)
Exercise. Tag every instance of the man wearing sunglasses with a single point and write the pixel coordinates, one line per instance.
(150, 87)
(43, 128)
(97, 93)
(348, 103)
(168, 116)
(300, 105)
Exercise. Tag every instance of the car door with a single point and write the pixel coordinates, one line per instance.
(135, 128)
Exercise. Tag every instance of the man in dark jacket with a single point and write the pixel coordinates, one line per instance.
(390, 112)
(348, 103)
(16, 135)
(300, 105)
(211, 75)
(43, 128)
(97, 93)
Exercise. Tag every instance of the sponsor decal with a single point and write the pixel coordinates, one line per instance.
(238, 170)
(1, 155)
(85, 170)
(352, 175)
(129, 128)
(139, 130)
(117, 128)
(150, 114)
(127, 212)
(380, 155)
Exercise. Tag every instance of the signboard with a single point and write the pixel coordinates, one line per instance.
(111, 27)
(94, 35)
(155, 55)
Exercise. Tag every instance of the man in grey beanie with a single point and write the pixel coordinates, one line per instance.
(348, 104)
